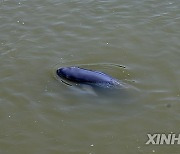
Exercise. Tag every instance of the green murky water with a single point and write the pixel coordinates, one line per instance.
(41, 115)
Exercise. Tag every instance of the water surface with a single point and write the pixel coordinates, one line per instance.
(39, 114)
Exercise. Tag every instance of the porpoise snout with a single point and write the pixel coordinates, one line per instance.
(60, 72)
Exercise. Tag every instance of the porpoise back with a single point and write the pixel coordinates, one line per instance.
(85, 76)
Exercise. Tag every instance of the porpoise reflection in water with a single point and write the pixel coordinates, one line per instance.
(88, 77)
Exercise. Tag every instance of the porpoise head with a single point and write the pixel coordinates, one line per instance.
(66, 72)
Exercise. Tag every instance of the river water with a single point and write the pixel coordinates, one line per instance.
(136, 41)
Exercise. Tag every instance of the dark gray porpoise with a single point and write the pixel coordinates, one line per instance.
(85, 76)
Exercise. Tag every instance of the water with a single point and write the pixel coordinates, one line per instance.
(39, 114)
